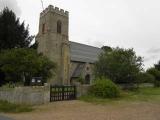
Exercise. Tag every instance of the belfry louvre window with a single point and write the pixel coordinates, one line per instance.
(43, 28)
(59, 26)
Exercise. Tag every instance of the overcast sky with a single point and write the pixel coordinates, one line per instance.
(124, 23)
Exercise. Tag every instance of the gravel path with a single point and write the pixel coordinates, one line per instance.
(77, 110)
(5, 118)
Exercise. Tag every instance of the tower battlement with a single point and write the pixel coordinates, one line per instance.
(57, 10)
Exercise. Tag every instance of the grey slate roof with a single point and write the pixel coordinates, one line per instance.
(84, 53)
(78, 70)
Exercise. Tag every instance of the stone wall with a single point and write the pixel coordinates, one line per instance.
(82, 89)
(34, 95)
(26, 95)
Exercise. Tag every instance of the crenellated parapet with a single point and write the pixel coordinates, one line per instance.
(57, 10)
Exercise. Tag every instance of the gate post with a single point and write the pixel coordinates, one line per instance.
(75, 92)
(63, 92)
(50, 93)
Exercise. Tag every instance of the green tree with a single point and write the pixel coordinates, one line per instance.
(21, 63)
(144, 77)
(120, 65)
(156, 73)
(106, 48)
(157, 66)
(2, 77)
(13, 34)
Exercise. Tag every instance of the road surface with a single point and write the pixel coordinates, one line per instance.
(5, 118)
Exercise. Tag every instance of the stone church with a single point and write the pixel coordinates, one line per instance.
(74, 60)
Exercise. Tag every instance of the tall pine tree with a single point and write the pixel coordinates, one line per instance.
(13, 34)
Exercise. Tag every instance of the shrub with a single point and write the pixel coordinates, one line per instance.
(21, 64)
(156, 74)
(156, 83)
(145, 78)
(105, 88)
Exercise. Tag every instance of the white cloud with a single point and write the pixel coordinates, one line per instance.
(124, 23)
(11, 4)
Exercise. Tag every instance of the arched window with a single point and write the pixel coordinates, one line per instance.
(59, 26)
(43, 28)
(87, 79)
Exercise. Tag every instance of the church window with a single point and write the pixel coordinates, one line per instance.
(87, 68)
(87, 79)
(59, 26)
(43, 28)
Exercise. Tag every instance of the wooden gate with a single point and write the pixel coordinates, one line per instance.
(61, 93)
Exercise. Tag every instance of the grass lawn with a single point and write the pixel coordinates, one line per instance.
(6, 107)
(147, 94)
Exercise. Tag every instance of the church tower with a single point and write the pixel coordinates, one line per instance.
(53, 42)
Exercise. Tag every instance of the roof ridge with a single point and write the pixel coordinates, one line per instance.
(84, 44)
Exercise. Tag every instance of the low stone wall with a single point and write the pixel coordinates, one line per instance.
(34, 95)
(26, 95)
(82, 89)
(130, 86)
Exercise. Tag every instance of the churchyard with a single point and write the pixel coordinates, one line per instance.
(71, 81)
(136, 105)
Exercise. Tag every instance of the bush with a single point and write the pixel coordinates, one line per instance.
(156, 83)
(145, 78)
(21, 64)
(105, 88)
(156, 74)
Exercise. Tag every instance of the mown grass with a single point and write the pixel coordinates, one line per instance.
(7, 107)
(142, 94)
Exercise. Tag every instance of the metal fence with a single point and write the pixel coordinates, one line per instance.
(61, 93)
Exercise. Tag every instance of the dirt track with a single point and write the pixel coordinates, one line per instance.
(77, 110)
